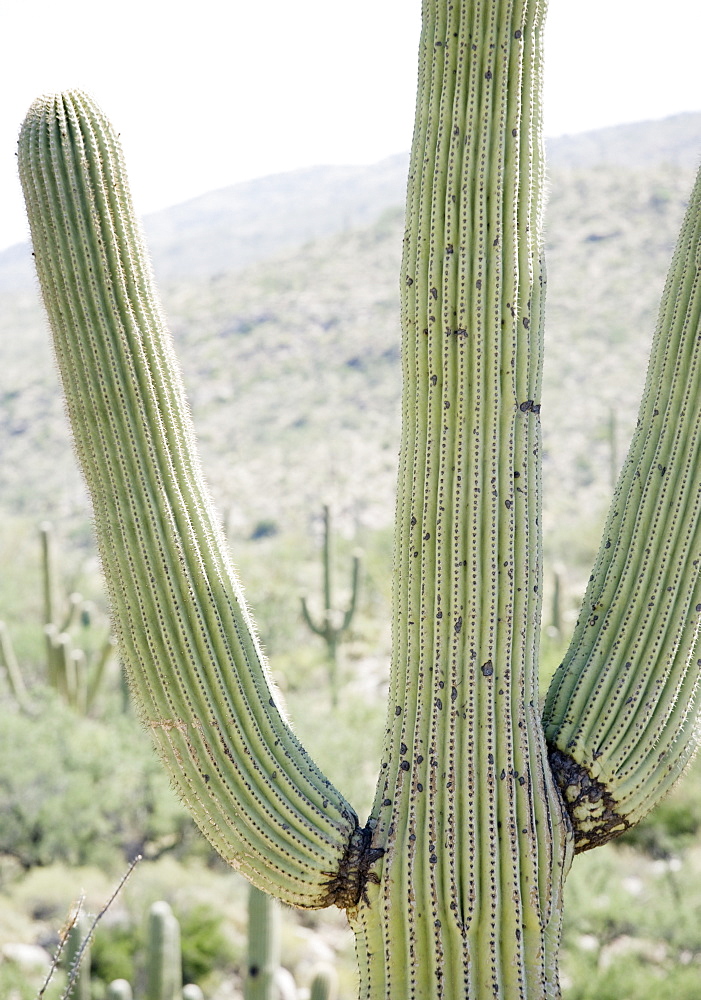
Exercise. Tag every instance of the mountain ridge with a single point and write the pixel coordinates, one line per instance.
(243, 224)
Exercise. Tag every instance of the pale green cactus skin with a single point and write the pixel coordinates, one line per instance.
(264, 938)
(454, 887)
(182, 625)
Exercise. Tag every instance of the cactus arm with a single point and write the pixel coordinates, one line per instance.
(621, 711)
(476, 840)
(353, 603)
(180, 619)
(48, 572)
(13, 672)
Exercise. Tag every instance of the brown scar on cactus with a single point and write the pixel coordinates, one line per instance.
(589, 804)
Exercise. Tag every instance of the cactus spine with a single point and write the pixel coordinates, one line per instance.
(454, 887)
(333, 623)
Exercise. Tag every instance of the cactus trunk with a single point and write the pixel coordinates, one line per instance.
(477, 848)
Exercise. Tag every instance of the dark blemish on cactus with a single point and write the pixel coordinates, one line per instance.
(449, 248)
(403, 748)
(405, 765)
(409, 281)
(487, 668)
(589, 804)
(413, 521)
(508, 504)
(461, 333)
(206, 778)
(434, 379)
(439, 704)
(348, 886)
(478, 284)
(434, 293)
(608, 543)
(397, 710)
(518, 33)
(458, 625)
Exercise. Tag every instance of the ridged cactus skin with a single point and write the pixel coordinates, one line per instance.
(164, 962)
(454, 887)
(181, 621)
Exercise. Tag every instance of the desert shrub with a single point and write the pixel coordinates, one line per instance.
(82, 791)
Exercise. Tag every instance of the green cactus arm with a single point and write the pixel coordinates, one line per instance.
(13, 671)
(327, 630)
(474, 831)
(621, 712)
(180, 618)
(320, 630)
(355, 587)
(48, 572)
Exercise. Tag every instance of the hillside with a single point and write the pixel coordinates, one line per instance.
(292, 362)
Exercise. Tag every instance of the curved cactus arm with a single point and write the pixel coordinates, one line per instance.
(476, 840)
(621, 711)
(180, 618)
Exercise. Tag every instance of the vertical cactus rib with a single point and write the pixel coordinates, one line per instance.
(472, 823)
(182, 624)
(621, 713)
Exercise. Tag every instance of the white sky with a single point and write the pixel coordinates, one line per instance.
(218, 91)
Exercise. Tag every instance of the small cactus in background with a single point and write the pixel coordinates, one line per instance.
(77, 957)
(119, 989)
(265, 978)
(76, 673)
(324, 984)
(164, 962)
(333, 623)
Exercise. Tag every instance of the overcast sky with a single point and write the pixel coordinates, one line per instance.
(219, 91)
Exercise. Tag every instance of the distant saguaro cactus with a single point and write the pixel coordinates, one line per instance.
(164, 977)
(70, 670)
(454, 886)
(334, 623)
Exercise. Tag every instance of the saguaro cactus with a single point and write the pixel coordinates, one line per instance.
(454, 885)
(333, 623)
